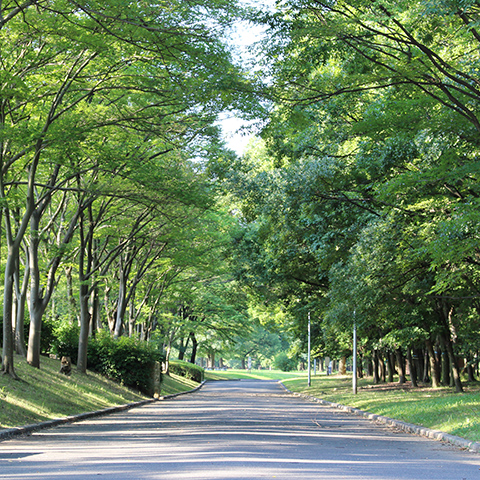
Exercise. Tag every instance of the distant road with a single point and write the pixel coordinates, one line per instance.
(232, 430)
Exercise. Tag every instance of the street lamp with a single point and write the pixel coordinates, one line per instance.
(354, 376)
(308, 355)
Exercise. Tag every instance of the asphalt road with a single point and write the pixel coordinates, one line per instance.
(232, 430)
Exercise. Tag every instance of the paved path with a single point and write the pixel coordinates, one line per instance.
(232, 430)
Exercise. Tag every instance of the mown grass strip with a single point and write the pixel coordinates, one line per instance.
(252, 374)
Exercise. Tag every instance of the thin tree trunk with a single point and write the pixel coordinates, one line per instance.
(376, 377)
(83, 293)
(21, 298)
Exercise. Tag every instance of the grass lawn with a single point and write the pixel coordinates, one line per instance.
(252, 375)
(438, 409)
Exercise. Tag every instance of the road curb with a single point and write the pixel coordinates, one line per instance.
(34, 427)
(407, 427)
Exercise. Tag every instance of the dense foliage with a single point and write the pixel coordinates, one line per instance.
(124, 212)
(108, 116)
(362, 203)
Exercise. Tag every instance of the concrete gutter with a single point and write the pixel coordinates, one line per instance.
(28, 429)
(407, 427)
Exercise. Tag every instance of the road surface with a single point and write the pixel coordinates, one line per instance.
(232, 430)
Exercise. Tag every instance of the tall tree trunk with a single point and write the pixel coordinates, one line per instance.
(381, 365)
(37, 304)
(342, 367)
(390, 366)
(445, 365)
(454, 366)
(211, 360)
(471, 373)
(8, 286)
(376, 377)
(448, 339)
(84, 329)
(413, 371)
(426, 366)
(83, 294)
(400, 366)
(20, 300)
(72, 304)
(417, 357)
(435, 374)
(193, 356)
(183, 348)
(359, 365)
(121, 305)
(95, 311)
(131, 316)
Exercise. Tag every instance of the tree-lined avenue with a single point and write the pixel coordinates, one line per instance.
(232, 430)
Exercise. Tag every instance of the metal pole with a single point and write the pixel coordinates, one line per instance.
(309, 378)
(354, 376)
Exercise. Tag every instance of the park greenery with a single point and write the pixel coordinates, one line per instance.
(128, 224)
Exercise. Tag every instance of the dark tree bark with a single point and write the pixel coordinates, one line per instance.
(376, 377)
(413, 371)
(401, 366)
(390, 366)
(193, 356)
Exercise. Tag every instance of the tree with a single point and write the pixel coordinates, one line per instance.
(165, 89)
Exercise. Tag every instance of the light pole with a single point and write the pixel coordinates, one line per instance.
(308, 354)
(354, 376)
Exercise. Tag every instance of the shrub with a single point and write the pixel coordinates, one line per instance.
(282, 362)
(126, 360)
(64, 340)
(187, 370)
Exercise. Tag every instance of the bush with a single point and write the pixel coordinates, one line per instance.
(65, 340)
(126, 360)
(187, 370)
(283, 363)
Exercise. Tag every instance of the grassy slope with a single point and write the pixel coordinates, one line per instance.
(175, 384)
(45, 394)
(438, 409)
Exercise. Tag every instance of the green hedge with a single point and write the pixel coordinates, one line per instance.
(187, 370)
(63, 339)
(126, 360)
